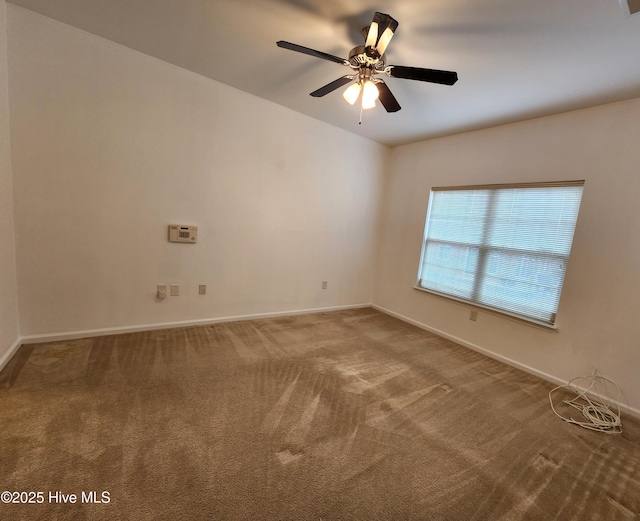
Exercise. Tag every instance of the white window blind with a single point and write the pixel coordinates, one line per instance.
(504, 247)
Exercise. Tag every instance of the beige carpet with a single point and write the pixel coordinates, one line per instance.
(349, 415)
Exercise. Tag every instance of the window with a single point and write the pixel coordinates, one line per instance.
(503, 247)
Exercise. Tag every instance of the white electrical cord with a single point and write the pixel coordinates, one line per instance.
(599, 415)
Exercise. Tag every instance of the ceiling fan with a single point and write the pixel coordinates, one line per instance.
(366, 62)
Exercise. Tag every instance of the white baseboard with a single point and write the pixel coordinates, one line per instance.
(10, 352)
(72, 335)
(513, 363)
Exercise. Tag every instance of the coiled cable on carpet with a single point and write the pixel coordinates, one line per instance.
(594, 401)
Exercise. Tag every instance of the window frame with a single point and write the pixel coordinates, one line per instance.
(478, 271)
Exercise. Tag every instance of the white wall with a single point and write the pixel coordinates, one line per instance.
(9, 333)
(597, 320)
(110, 146)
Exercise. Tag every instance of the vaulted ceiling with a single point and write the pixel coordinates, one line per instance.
(516, 59)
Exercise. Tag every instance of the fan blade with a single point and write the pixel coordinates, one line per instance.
(386, 27)
(430, 75)
(372, 36)
(388, 100)
(330, 87)
(311, 52)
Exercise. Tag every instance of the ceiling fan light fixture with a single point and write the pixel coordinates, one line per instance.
(368, 103)
(369, 95)
(352, 93)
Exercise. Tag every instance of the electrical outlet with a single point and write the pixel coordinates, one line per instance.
(324, 284)
(202, 289)
(162, 291)
(175, 290)
(473, 315)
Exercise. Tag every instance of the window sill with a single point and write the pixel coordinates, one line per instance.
(524, 321)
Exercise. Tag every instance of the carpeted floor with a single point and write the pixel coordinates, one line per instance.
(348, 415)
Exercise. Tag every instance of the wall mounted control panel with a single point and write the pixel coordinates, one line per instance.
(183, 233)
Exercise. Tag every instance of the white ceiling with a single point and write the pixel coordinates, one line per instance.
(516, 59)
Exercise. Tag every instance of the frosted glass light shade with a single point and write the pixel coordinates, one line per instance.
(368, 103)
(352, 93)
(369, 95)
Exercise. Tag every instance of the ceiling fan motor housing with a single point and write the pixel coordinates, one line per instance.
(358, 57)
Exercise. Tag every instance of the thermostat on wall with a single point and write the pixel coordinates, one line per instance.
(181, 233)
